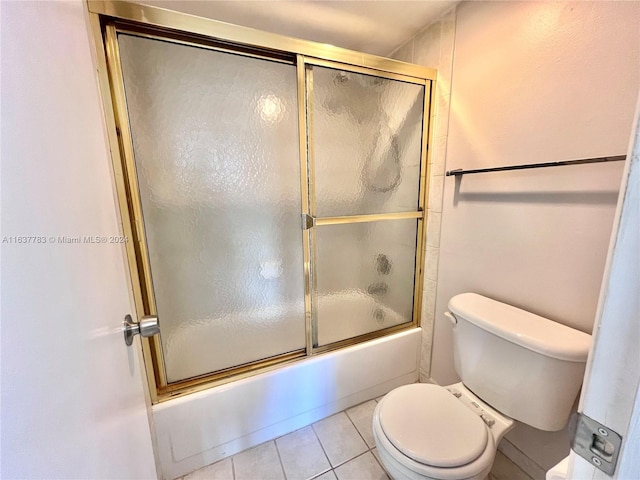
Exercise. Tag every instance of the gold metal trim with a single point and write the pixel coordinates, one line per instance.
(377, 217)
(117, 161)
(365, 71)
(311, 164)
(185, 29)
(203, 382)
(425, 170)
(304, 197)
(143, 271)
(427, 132)
(363, 338)
(130, 29)
(162, 390)
(160, 17)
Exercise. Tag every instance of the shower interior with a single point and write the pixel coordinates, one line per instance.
(277, 201)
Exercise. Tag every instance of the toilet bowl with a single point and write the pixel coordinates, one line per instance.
(514, 365)
(455, 437)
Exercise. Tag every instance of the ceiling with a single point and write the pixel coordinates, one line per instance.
(376, 27)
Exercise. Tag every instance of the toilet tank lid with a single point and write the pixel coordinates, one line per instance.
(526, 329)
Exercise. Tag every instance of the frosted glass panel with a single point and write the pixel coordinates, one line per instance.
(365, 275)
(367, 134)
(215, 141)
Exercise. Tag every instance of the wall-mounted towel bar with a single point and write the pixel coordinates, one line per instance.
(459, 172)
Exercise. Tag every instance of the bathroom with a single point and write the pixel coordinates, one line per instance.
(517, 83)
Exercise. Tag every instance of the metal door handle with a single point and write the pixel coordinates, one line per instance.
(308, 221)
(148, 326)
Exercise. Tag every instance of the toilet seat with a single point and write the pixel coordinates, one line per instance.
(446, 434)
(404, 466)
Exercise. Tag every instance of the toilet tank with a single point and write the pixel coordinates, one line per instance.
(526, 366)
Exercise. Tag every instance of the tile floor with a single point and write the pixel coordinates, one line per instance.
(340, 447)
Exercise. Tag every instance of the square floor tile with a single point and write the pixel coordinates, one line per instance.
(301, 454)
(364, 467)
(362, 417)
(221, 470)
(339, 438)
(261, 462)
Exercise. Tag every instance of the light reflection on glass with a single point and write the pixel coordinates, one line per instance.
(270, 108)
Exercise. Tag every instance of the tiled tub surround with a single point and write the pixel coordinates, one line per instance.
(204, 427)
(433, 47)
(339, 447)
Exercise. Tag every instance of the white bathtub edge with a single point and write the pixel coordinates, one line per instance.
(200, 429)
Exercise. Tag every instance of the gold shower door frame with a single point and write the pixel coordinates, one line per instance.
(107, 19)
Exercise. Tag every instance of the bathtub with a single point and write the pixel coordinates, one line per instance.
(344, 314)
(199, 429)
(365, 313)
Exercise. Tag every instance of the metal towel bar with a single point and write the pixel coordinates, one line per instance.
(459, 172)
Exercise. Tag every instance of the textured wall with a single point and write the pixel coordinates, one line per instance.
(524, 82)
(535, 82)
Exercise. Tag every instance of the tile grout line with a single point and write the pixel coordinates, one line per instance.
(346, 412)
(359, 434)
(375, 446)
(325, 453)
(345, 462)
(379, 462)
(233, 468)
(275, 444)
(320, 474)
(381, 465)
(331, 467)
(370, 449)
(353, 458)
(521, 453)
(526, 474)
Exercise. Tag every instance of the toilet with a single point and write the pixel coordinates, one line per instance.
(514, 365)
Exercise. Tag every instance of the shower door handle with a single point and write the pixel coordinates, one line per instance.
(148, 326)
(308, 221)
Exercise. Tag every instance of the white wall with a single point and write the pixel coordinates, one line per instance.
(612, 382)
(72, 395)
(554, 223)
(629, 464)
(534, 82)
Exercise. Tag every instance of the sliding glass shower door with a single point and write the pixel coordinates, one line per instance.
(218, 177)
(276, 201)
(365, 136)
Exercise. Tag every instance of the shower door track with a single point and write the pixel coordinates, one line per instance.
(107, 19)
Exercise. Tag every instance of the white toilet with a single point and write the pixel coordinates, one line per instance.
(514, 365)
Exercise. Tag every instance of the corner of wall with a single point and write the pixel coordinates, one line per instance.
(433, 46)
